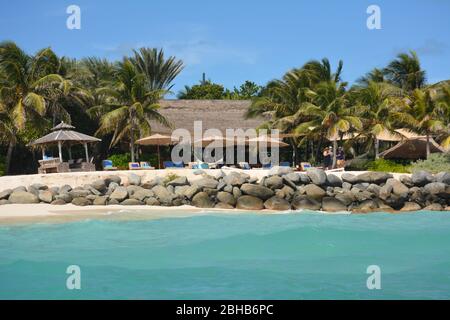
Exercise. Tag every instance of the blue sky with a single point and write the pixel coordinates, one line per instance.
(233, 41)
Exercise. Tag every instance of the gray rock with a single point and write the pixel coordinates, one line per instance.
(443, 177)
(286, 192)
(363, 195)
(131, 202)
(385, 191)
(235, 179)
(317, 176)
(366, 206)
(289, 182)
(222, 205)
(54, 190)
(277, 170)
(45, 196)
(150, 184)
(58, 202)
(236, 192)
(20, 188)
(406, 180)
(4, 201)
(91, 197)
(228, 188)
(99, 185)
(191, 191)
(79, 193)
(249, 203)
(361, 186)
(276, 203)
(332, 204)
(134, 179)
(411, 206)
(180, 190)
(226, 197)
(257, 191)
(143, 194)
(181, 181)
(131, 189)
(23, 197)
(152, 201)
(274, 182)
(39, 186)
(113, 202)
(346, 186)
(304, 179)
(315, 192)
(346, 197)
(206, 183)
(198, 172)
(350, 178)
(113, 178)
(210, 191)
(305, 203)
(65, 189)
(221, 185)
(398, 188)
(434, 188)
(374, 177)
(374, 189)
(333, 180)
(421, 178)
(202, 200)
(66, 197)
(32, 190)
(100, 201)
(163, 195)
(81, 201)
(119, 194)
(5, 194)
(111, 187)
(293, 176)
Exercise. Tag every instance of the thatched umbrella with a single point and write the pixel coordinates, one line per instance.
(157, 140)
(63, 133)
(269, 141)
(411, 149)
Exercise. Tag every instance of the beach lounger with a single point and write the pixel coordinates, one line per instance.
(267, 165)
(285, 164)
(173, 165)
(108, 165)
(305, 165)
(202, 165)
(145, 165)
(134, 166)
(244, 165)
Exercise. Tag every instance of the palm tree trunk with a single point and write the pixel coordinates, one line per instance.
(428, 145)
(9, 154)
(334, 153)
(132, 144)
(377, 148)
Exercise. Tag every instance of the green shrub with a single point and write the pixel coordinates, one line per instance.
(388, 166)
(170, 177)
(436, 162)
(357, 164)
(120, 160)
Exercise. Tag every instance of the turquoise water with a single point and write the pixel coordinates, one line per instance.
(221, 256)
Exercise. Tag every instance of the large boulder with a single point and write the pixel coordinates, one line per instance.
(279, 171)
(293, 176)
(134, 179)
(257, 191)
(398, 188)
(81, 201)
(119, 194)
(99, 185)
(385, 191)
(58, 202)
(131, 202)
(374, 177)
(305, 203)
(434, 188)
(191, 191)
(206, 183)
(350, 178)
(443, 177)
(202, 200)
(163, 195)
(406, 180)
(274, 182)
(249, 203)
(235, 179)
(226, 197)
(5, 194)
(346, 197)
(142, 194)
(23, 197)
(333, 180)
(39, 186)
(113, 178)
(411, 206)
(421, 178)
(315, 192)
(152, 201)
(79, 192)
(276, 203)
(433, 207)
(66, 197)
(332, 204)
(317, 176)
(100, 201)
(181, 181)
(221, 205)
(286, 193)
(45, 196)
(366, 206)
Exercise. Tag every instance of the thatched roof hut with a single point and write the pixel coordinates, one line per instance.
(411, 149)
(214, 114)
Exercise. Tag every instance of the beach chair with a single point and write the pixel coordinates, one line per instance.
(267, 165)
(244, 165)
(173, 165)
(134, 166)
(285, 164)
(108, 165)
(201, 165)
(146, 166)
(305, 165)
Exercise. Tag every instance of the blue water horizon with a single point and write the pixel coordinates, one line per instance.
(231, 256)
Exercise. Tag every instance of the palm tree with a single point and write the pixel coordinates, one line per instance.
(130, 108)
(423, 113)
(375, 75)
(20, 91)
(406, 72)
(376, 102)
(159, 72)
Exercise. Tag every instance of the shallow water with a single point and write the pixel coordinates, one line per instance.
(221, 256)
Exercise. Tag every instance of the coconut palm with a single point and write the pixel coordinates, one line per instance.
(423, 113)
(406, 72)
(375, 75)
(159, 72)
(21, 88)
(130, 108)
(376, 102)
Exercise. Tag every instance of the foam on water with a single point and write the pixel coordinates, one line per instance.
(235, 256)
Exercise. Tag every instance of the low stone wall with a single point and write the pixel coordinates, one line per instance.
(277, 189)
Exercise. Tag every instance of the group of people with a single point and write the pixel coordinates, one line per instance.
(328, 158)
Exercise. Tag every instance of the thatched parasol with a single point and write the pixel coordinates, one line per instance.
(157, 140)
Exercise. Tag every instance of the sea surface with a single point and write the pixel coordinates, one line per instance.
(230, 256)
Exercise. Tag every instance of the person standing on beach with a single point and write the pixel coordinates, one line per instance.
(340, 157)
(326, 158)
